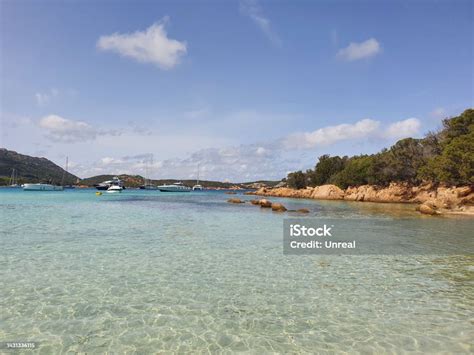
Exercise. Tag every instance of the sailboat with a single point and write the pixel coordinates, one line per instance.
(13, 179)
(62, 183)
(197, 187)
(147, 185)
(46, 187)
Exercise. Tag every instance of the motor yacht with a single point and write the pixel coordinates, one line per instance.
(176, 187)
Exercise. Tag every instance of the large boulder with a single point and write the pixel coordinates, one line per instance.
(427, 208)
(327, 192)
(264, 203)
(278, 207)
(463, 191)
(235, 200)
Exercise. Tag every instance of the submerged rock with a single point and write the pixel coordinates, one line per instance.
(302, 210)
(235, 200)
(265, 203)
(230, 192)
(255, 202)
(278, 207)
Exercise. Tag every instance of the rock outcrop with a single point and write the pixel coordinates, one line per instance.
(435, 200)
(235, 200)
(327, 192)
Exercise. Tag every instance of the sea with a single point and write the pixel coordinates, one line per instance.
(148, 272)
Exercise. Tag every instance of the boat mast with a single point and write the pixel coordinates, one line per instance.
(64, 172)
(12, 178)
(151, 169)
(197, 183)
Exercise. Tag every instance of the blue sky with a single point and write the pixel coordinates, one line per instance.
(247, 89)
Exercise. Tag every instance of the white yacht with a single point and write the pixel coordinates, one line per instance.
(176, 187)
(106, 184)
(114, 189)
(41, 187)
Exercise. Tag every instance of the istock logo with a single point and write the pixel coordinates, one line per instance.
(298, 230)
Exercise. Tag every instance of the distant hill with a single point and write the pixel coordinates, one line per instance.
(31, 169)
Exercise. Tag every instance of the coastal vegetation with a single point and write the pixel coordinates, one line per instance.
(442, 157)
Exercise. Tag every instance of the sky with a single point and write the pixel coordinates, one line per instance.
(247, 90)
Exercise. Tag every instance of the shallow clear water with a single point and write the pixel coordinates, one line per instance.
(147, 271)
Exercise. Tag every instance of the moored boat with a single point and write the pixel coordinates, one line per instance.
(114, 189)
(106, 184)
(148, 187)
(14, 179)
(41, 187)
(197, 187)
(176, 187)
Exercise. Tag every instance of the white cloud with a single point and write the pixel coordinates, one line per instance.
(360, 50)
(252, 9)
(149, 46)
(68, 131)
(403, 129)
(331, 134)
(46, 97)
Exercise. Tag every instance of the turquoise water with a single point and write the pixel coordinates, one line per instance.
(147, 271)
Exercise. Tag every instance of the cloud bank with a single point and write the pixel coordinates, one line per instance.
(150, 46)
(265, 160)
(331, 134)
(63, 130)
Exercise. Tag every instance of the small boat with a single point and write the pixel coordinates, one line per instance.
(106, 184)
(176, 187)
(41, 187)
(114, 189)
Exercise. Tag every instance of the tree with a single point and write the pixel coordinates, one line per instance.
(326, 167)
(297, 180)
(355, 173)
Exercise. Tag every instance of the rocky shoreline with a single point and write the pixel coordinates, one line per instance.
(430, 199)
